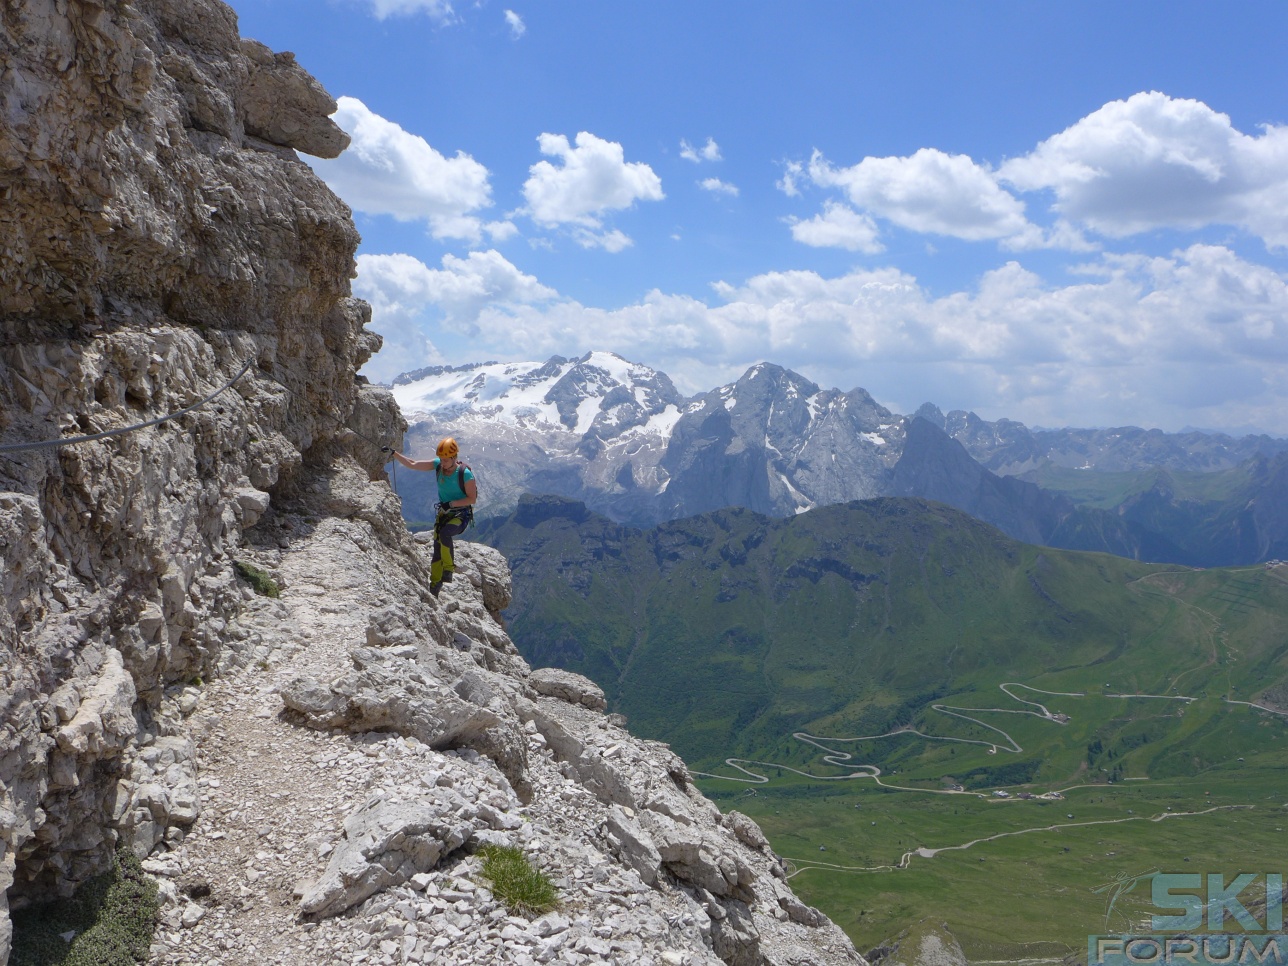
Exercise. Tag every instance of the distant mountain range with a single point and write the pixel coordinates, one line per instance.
(1011, 448)
(620, 438)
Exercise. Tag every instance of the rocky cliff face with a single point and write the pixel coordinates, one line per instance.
(344, 747)
(158, 233)
(776, 443)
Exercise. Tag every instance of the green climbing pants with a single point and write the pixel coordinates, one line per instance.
(448, 524)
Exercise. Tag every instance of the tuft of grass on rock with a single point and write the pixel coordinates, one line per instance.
(259, 580)
(109, 921)
(525, 890)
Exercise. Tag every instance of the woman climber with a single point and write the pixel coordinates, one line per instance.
(457, 492)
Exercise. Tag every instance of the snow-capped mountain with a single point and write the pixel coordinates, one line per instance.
(775, 442)
(620, 438)
(600, 394)
(593, 428)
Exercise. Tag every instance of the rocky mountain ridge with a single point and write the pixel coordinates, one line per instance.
(639, 451)
(1010, 448)
(778, 444)
(349, 745)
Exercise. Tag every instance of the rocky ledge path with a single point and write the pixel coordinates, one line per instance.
(363, 739)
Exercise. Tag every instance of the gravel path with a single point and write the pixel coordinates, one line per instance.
(274, 798)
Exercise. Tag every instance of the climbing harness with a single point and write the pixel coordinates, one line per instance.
(463, 513)
(466, 513)
(53, 443)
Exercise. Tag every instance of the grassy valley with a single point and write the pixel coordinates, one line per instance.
(1108, 490)
(863, 678)
(1040, 889)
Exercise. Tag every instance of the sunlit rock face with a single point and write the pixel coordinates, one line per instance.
(170, 268)
(158, 232)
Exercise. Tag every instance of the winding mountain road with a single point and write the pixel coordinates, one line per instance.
(804, 865)
(844, 759)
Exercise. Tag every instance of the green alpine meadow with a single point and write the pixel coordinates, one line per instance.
(923, 713)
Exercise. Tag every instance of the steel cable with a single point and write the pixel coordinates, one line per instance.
(54, 443)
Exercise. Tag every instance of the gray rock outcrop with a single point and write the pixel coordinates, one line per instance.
(345, 746)
(574, 688)
(386, 844)
(391, 692)
(927, 943)
(158, 232)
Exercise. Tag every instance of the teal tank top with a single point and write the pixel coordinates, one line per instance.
(449, 486)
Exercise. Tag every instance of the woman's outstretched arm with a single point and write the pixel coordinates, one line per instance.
(412, 464)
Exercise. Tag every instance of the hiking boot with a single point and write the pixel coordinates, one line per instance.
(447, 576)
(435, 587)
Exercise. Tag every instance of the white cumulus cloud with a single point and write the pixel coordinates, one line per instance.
(1198, 337)
(591, 180)
(500, 231)
(839, 226)
(440, 10)
(610, 241)
(461, 288)
(1136, 165)
(708, 152)
(410, 300)
(789, 183)
(930, 192)
(515, 23)
(1154, 161)
(718, 187)
(389, 171)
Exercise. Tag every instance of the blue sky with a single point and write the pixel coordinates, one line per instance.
(1063, 213)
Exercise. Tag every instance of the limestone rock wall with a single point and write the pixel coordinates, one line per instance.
(157, 232)
(348, 745)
